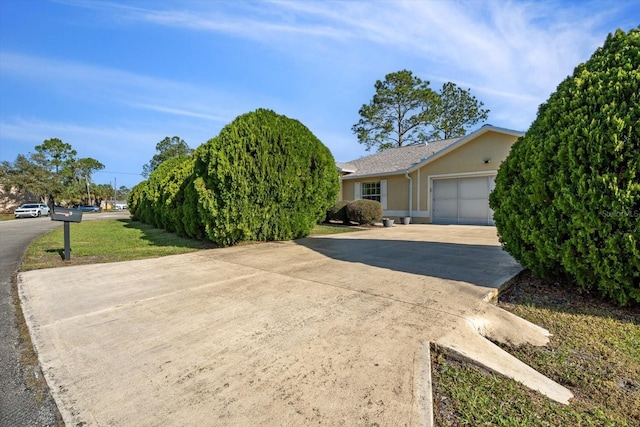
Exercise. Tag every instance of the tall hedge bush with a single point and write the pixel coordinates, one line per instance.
(158, 200)
(134, 199)
(567, 198)
(264, 177)
(171, 203)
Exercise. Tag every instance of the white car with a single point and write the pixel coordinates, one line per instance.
(31, 210)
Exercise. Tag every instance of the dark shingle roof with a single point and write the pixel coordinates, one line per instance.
(394, 160)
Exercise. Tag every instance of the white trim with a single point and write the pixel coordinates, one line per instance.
(373, 175)
(410, 192)
(383, 193)
(462, 174)
(357, 191)
(418, 192)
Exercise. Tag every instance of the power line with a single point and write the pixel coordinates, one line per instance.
(120, 173)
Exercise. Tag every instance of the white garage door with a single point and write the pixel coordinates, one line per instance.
(463, 200)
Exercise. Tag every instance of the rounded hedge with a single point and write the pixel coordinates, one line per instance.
(364, 212)
(264, 177)
(567, 198)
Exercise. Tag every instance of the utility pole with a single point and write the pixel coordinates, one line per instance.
(88, 195)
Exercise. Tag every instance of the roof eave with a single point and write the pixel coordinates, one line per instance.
(373, 175)
(346, 170)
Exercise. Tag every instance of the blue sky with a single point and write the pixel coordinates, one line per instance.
(113, 78)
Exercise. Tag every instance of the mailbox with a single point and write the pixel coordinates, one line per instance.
(66, 215)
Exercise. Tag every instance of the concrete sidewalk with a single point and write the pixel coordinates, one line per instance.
(331, 330)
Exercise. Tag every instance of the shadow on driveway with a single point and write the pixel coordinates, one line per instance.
(483, 265)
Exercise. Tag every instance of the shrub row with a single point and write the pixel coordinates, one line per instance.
(264, 177)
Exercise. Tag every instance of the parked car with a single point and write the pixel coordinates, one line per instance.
(31, 210)
(89, 208)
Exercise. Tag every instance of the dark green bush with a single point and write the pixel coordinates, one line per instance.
(264, 177)
(159, 200)
(567, 198)
(172, 193)
(364, 211)
(338, 212)
(192, 224)
(155, 204)
(134, 199)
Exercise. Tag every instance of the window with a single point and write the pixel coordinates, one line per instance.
(371, 190)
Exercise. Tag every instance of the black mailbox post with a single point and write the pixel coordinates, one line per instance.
(66, 215)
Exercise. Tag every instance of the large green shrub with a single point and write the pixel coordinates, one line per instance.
(134, 198)
(155, 198)
(264, 177)
(567, 198)
(364, 212)
(192, 224)
(172, 188)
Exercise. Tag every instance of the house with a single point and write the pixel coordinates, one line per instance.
(11, 198)
(442, 182)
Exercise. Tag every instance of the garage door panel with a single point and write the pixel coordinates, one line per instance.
(492, 186)
(474, 208)
(463, 200)
(446, 188)
(473, 188)
(446, 209)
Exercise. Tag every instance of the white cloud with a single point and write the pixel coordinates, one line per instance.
(515, 49)
(511, 54)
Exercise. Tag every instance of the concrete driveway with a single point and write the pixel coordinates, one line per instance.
(331, 330)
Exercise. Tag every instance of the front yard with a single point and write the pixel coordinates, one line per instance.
(594, 351)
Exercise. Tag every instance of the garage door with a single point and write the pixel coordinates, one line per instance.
(463, 200)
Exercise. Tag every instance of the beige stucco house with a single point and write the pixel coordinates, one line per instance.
(11, 198)
(443, 182)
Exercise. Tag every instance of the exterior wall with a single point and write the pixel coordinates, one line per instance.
(12, 198)
(340, 192)
(397, 193)
(346, 190)
(468, 159)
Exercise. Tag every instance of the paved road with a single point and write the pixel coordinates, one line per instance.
(19, 404)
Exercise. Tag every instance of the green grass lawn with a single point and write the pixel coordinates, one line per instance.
(594, 352)
(113, 240)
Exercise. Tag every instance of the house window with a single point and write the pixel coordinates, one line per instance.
(371, 190)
